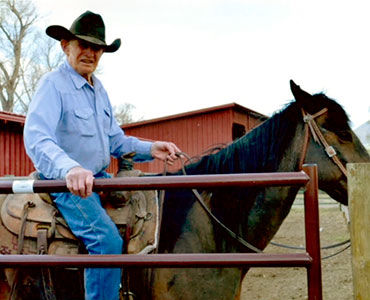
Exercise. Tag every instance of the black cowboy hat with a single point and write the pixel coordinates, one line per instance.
(88, 27)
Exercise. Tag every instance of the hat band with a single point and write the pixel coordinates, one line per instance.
(91, 39)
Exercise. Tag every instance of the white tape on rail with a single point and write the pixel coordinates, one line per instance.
(22, 186)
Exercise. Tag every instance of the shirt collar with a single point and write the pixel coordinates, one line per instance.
(77, 79)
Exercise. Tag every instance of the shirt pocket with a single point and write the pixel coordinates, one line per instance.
(107, 117)
(85, 121)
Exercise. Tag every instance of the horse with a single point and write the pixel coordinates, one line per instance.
(281, 144)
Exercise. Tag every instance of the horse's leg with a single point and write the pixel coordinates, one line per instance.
(244, 272)
(4, 286)
(239, 292)
(24, 284)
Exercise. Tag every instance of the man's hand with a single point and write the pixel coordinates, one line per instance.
(165, 151)
(80, 181)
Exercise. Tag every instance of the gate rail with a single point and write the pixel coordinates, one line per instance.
(311, 260)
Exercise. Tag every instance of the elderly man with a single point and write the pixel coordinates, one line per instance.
(70, 133)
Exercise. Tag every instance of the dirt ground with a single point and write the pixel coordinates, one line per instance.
(291, 283)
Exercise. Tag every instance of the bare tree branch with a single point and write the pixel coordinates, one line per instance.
(25, 55)
(123, 113)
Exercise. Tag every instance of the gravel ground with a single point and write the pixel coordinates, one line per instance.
(291, 283)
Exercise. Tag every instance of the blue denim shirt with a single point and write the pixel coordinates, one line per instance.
(70, 123)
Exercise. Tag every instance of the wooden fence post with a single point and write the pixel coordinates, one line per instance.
(359, 209)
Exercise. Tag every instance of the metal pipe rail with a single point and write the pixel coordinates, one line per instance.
(210, 260)
(160, 182)
(311, 260)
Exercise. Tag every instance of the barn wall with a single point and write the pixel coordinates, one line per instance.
(193, 135)
(13, 157)
(249, 121)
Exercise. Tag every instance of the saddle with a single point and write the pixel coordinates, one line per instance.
(34, 217)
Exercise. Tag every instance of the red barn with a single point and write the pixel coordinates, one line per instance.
(194, 132)
(13, 157)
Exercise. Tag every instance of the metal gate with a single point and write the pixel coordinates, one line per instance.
(311, 259)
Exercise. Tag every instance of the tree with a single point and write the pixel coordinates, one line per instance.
(123, 113)
(25, 54)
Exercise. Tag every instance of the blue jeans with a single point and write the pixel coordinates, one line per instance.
(90, 223)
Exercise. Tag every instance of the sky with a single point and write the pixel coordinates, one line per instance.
(184, 55)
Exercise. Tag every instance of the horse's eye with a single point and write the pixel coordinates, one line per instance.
(344, 135)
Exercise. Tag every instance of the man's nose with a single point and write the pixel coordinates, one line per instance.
(89, 51)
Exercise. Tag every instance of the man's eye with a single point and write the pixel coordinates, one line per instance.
(96, 48)
(83, 44)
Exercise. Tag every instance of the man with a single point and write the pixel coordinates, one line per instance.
(70, 133)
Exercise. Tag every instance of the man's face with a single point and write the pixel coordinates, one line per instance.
(82, 56)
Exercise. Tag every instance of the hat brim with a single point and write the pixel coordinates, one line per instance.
(60, 33)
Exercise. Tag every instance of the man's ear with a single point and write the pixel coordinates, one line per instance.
(64, 44)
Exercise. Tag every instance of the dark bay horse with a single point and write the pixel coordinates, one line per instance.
(277, 145)
(254, 214)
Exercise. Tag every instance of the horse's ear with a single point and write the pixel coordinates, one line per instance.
(303, 98)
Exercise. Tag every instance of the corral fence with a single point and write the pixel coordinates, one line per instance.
(310, 260)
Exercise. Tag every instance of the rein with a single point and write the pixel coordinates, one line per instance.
(200, 200)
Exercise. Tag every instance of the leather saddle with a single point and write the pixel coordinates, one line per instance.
(134, 212)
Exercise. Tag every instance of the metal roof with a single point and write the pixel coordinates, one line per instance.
(233, 105)
(12, 117)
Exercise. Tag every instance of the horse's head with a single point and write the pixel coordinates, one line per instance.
(332, 122)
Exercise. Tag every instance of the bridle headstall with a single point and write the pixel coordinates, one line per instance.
(312, 127)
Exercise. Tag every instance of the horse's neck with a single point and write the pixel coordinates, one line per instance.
(273, 204)
(255, 217)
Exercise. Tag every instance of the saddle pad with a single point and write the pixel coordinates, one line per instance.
(12, 211)
(40, 213)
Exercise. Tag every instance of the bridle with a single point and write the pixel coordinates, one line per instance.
(311, 128)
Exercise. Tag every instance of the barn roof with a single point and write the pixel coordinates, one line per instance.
(213, 109)
(12, 117)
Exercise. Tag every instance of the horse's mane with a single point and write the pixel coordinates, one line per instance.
(262, 149)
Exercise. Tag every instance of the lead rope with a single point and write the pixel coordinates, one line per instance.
(200, 200)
